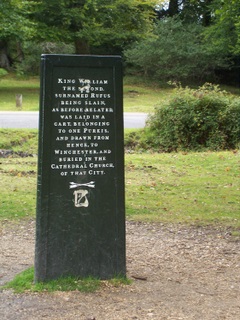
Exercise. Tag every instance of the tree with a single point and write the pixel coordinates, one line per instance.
(14, 27)
(213, 50)
(222, 15)
(224, 36)
(103, 27)
(91, 24)
(224, 32)
(175, 52)
(198, 11)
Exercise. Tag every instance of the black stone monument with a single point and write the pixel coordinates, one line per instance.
(80, 228)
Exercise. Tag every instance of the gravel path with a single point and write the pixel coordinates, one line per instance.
(178, 272)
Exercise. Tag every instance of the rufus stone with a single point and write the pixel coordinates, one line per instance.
(80, 228)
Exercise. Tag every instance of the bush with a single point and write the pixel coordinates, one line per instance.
(206, 118)
(134, 140)
(3, 72)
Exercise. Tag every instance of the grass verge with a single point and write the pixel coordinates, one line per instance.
(19, 140)
(25, 282)
(10, 86)
(18, 174)
(18, 181)
(193, 188)
(140, 94)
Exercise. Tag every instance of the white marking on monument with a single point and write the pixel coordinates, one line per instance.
(74, 185)
(81, 199)
(80, 196)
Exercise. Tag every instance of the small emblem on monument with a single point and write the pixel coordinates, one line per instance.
(81, 199)
(80, 196)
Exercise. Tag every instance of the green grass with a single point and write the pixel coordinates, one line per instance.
(18, 187)
(18, 175)
(10, 85)
(25, 282)
(19, 140)
(193, 188)
(140, 95)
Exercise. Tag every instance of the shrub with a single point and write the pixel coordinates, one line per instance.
(206, 118)
(3, 72)
(135, 140)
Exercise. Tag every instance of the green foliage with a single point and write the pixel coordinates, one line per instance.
(3, 72)
(14, 23)
(205, 39)
(196, 119)
(135, 140)
(224, 32)
(91, 23)
(175, 51)
(198, 11)
(88, 26)
(32, 54)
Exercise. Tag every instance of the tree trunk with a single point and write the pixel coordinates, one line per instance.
(173, 8)
(81, 47)
(4, 59)
(207, 14)
(20, 53)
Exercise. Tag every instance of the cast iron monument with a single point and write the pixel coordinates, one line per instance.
(80, 227)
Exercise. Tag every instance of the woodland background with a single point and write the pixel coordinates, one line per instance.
(191, 41)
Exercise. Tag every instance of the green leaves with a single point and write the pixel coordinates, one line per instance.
(175, 51)
(195, 120)
(14, 22)
(224, 33)
(97, 23)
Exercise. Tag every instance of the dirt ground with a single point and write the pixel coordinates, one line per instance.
(178, 272)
